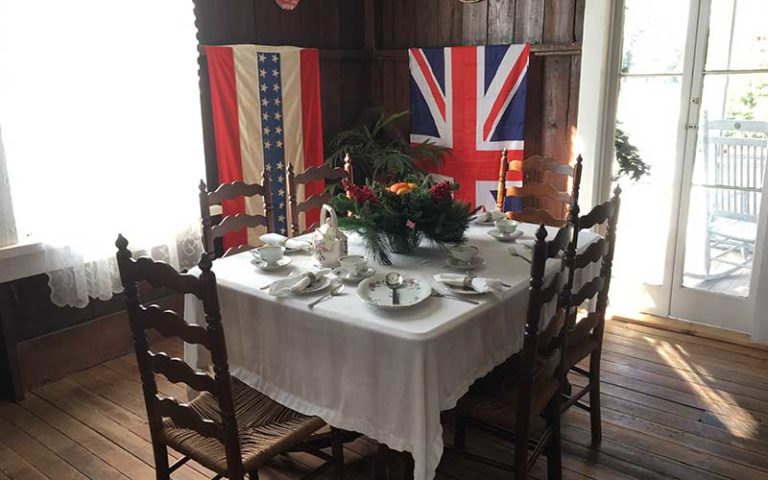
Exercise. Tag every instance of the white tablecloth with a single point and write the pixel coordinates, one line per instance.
(385, 374)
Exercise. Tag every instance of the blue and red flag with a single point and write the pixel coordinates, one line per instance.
(472, 101)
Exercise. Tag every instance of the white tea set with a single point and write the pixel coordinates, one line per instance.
(353, 268)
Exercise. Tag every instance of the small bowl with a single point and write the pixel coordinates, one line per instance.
(506, 226)
(464, 253)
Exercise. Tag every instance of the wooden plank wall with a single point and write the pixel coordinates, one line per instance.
(553, 87)
(336, 27)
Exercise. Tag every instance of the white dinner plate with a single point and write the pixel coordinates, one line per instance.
(374, 291)
(319, 284)
(268, 267)
(455, 264)
(495, 233)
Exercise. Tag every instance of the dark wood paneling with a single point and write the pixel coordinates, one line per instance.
(554, 27)
(52, 356)
(336, 27)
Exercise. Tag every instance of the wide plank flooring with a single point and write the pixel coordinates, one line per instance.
(674, 406)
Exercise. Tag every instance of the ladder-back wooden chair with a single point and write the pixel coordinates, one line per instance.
(316, 201)
(214, 228)
(536, 170)
(508, 401)
(586, 339)
(229, 428)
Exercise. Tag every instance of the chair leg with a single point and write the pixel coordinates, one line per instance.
(594, 398)
(379, 466)
(554, 449)
(337, 451)
(460, 434)
(162, 469)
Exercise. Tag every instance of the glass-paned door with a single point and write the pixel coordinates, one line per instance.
(694, 101)
(652, 83)
(726, 157)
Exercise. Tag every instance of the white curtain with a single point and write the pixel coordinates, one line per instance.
(100, 107)
(7, 222)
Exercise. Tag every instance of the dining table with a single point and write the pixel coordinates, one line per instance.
(385, 373)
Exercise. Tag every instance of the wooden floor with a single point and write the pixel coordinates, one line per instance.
(675, 406)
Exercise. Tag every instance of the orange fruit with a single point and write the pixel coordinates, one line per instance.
(397, 186)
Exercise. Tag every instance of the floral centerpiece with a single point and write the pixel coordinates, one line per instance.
(395, 218)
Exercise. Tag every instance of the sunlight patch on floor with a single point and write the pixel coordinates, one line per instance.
(738, 421)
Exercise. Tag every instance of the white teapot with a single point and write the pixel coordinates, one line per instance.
(330, 243)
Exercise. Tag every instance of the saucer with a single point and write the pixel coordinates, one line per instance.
(346, 276)
(478, 261)
(494, 232)
(268, 267)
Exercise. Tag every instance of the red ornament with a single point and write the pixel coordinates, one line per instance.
(360, 194)
(287, 4)
(441, 192)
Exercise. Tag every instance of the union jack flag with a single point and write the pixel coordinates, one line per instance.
(472, 101)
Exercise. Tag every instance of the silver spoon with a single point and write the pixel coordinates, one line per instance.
(394, 281)
(335, 291)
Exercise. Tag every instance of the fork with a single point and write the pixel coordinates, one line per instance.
(515, 254)
(437, 294)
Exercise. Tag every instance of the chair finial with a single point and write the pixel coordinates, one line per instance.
(541, 233)
(121, 243)
(205, 262)
(202, 186)
(617, 190)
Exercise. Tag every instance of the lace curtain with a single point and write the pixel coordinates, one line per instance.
(100, 107)
(7, 222)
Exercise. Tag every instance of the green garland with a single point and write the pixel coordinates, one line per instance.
(391, 222)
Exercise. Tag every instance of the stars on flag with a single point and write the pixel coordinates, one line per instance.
(273, 142)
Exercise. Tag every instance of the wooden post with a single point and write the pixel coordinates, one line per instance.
(502, 193)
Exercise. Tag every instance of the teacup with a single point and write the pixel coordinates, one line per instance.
(270, 254)
(354, 264)
(506, 226)
(464, 253)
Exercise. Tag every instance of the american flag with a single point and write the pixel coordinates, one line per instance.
(472, 101)
(266, 112)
